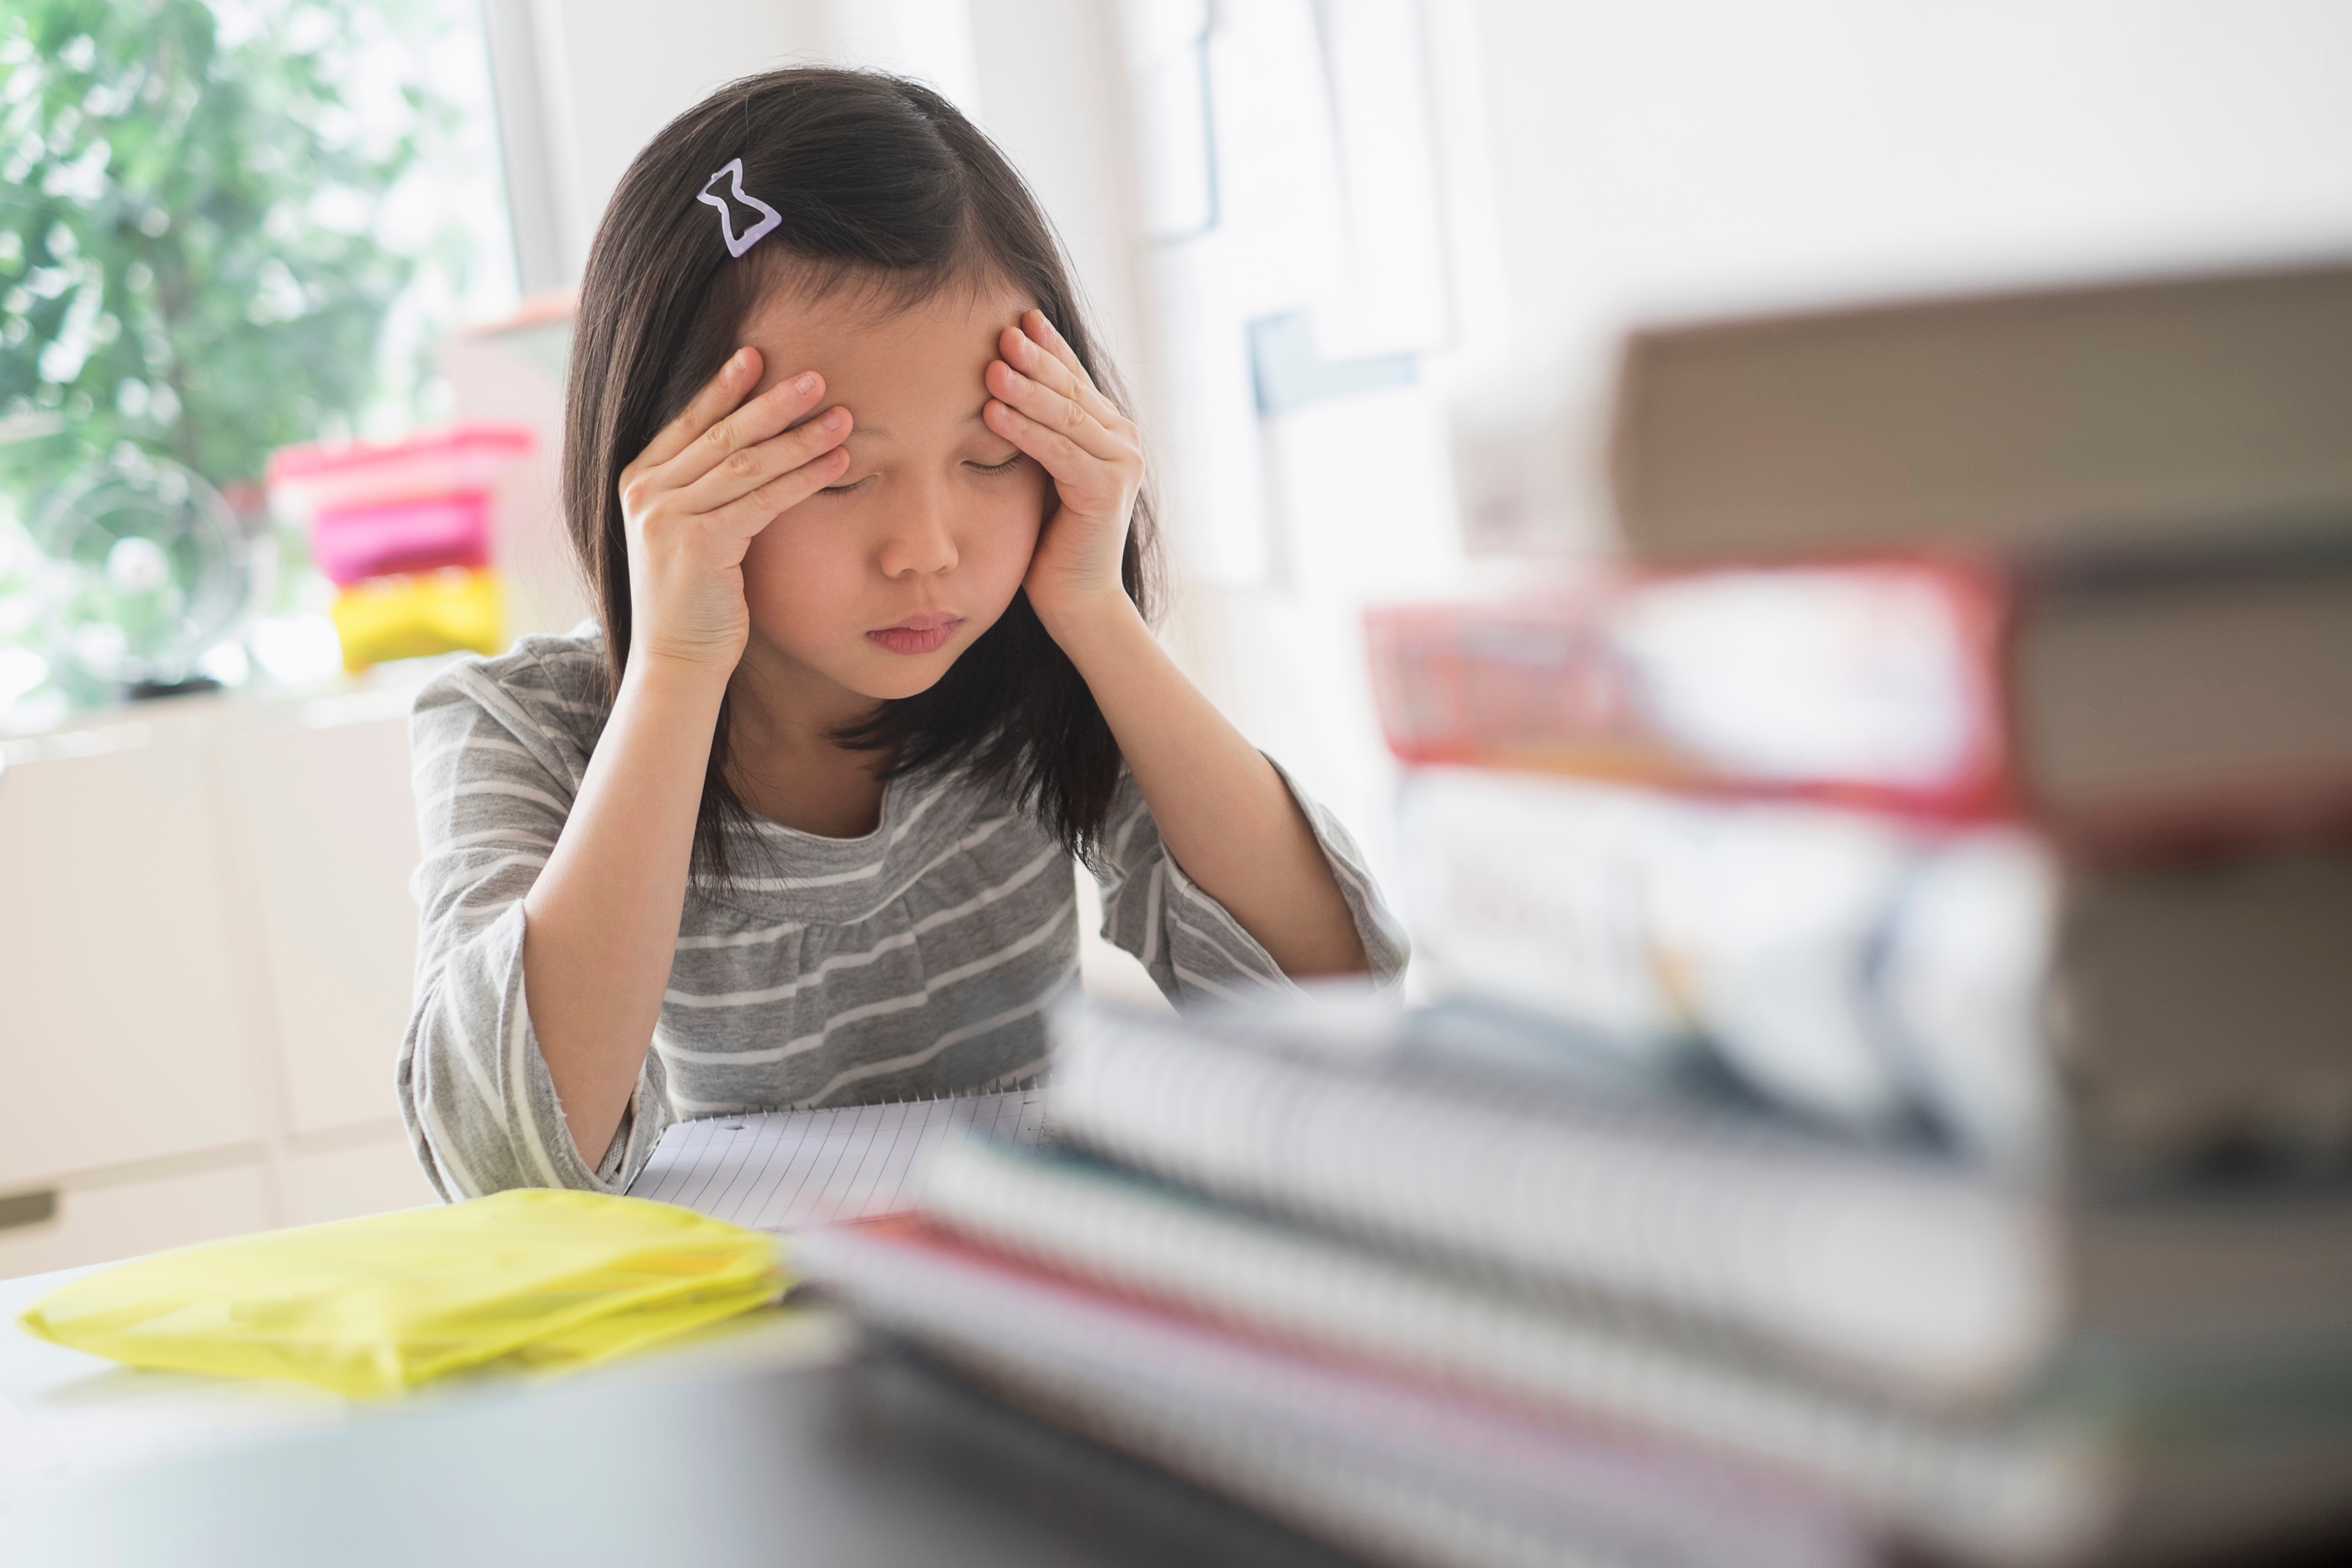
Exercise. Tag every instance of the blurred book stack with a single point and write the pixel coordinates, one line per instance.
(405, 534)
(1968, 740)
(1890, 1092)
(1447, 1292)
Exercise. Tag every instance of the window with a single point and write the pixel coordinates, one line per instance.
(222, 227)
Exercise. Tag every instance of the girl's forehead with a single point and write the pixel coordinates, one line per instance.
(874, 355)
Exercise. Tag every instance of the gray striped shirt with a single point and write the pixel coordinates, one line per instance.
(917, 960)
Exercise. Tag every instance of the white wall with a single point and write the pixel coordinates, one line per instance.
(1690, 156)
(1049, 89)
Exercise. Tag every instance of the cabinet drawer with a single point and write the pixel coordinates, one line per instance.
(120, 1026)
(104, 1225)
(348, 1182)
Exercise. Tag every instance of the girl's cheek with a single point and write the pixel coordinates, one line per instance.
(1000, 529)
(1018, 531)
(1037, 503)
(764, 559)
(792, 572)
(796, 540)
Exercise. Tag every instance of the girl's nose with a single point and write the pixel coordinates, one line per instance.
(919, 543)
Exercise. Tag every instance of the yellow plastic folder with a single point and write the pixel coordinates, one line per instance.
(542, 1280)
(419, 613)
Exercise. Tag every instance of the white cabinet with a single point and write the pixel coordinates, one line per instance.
(123, 1219)
(205, 951)
(123, 1032)
(320, 812)
(342, 1182)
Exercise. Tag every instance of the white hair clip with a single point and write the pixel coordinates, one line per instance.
(768, 217)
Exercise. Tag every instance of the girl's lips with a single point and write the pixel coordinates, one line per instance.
(918, 634)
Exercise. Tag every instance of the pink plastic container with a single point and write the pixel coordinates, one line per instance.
(465, 460)
(355, 542)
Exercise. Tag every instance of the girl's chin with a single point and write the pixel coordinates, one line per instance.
(886, 677)
(853, 675)
(906, 685)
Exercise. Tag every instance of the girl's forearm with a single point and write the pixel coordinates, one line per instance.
(600, 923)
(1223, 811)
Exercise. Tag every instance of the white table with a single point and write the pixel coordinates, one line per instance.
(773, 1439)
(69, 1418)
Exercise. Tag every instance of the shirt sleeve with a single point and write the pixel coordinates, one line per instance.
(1193, 950)
(496, 769)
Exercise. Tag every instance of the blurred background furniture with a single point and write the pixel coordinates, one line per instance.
(205, 956)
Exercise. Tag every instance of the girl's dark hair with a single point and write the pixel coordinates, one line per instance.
(886, 189)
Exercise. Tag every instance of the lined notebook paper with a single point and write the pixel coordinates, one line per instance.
(784, 1170)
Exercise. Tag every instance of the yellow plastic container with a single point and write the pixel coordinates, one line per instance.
(544, 1279)
(419, 613)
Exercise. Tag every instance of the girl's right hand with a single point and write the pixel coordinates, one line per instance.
(695, 499)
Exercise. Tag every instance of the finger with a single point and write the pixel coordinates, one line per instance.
(1063, 458)
(748, 514)
(1043, 406)
(765, 416)
(747, 468)
(1038, 351)
(1039, 330)
(719, 396)
(1034, 358)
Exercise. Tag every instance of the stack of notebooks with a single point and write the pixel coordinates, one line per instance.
(1441, 1290)
(1889, 1097)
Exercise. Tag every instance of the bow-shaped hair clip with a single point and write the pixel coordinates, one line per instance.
(768, 217)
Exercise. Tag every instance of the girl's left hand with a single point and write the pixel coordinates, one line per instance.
(1045, 403)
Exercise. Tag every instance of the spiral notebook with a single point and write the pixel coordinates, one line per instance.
(786, 1169)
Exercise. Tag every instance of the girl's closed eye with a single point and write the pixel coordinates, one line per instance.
(988, 470)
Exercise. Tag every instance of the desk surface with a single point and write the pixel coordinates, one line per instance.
(776, 1439)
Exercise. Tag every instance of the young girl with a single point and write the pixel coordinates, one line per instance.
(794, 827)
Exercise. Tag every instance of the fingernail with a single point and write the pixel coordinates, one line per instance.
(836, 419)
(804, 384)
(742, 358)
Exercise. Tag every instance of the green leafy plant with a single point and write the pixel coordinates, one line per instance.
(189, 250)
